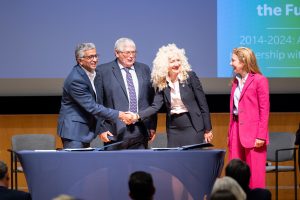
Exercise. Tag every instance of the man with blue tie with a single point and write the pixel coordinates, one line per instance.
(79, 110)
(124, 84)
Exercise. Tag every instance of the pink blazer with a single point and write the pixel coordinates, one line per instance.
(254, 107)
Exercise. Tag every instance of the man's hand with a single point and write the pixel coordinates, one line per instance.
(128, 117)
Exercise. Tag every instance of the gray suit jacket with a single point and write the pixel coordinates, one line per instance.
(78, 112)
(192, 96)
(112, 94)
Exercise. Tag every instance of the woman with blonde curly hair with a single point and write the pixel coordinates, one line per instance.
(179, 89)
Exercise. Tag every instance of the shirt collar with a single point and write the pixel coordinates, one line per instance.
(89, 74)
(179, 78)
(168, 79)
(239, 78)
(122, 67)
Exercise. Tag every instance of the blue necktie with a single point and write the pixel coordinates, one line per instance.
(131, 91)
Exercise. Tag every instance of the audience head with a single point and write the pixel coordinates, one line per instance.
(223, 195)
(141, 186)
(4, 178)
(239, 171)
(64, 197)
(227, 187)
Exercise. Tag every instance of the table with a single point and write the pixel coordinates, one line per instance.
(94, 175)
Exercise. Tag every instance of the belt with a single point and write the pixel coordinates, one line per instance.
(178, 114)
(235, 117)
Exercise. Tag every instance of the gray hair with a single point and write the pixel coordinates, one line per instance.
(3, 169)
(81, 48)
(229, 184)
(121, 42)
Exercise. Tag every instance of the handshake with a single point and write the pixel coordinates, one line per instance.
(128, 117)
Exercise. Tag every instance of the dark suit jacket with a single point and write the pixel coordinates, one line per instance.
(192, 96)
(7, 194)
(112, 94)
(79, 108)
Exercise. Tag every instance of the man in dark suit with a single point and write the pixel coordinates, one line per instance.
(78, 112)
(124, 84)
(5, 193)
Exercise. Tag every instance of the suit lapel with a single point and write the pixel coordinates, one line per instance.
(118, 74)
(86, 78)
(234, 85)
(248, 82)
(140, 76)
(168, 93)
(183, 90)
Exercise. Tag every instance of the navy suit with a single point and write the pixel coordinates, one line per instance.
(78, 112)
(193, 98)
(7, 194)
(111, 88)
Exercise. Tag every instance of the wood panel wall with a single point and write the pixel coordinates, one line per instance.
(46, 123)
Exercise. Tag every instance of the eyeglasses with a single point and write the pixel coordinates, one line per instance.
(90, 57)
(127, 53)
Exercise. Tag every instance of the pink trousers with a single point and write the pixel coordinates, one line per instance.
(254, 157)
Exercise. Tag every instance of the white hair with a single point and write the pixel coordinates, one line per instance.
(121, 42)
(161, 64)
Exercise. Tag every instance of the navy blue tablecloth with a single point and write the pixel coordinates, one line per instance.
(95, 175)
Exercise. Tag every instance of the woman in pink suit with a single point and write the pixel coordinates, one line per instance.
(249, 115)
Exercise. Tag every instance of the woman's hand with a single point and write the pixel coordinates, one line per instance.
(259, 143)
(208, 136)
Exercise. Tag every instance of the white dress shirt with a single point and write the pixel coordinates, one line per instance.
(238, 91)
(177, 105)
(91, 77)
